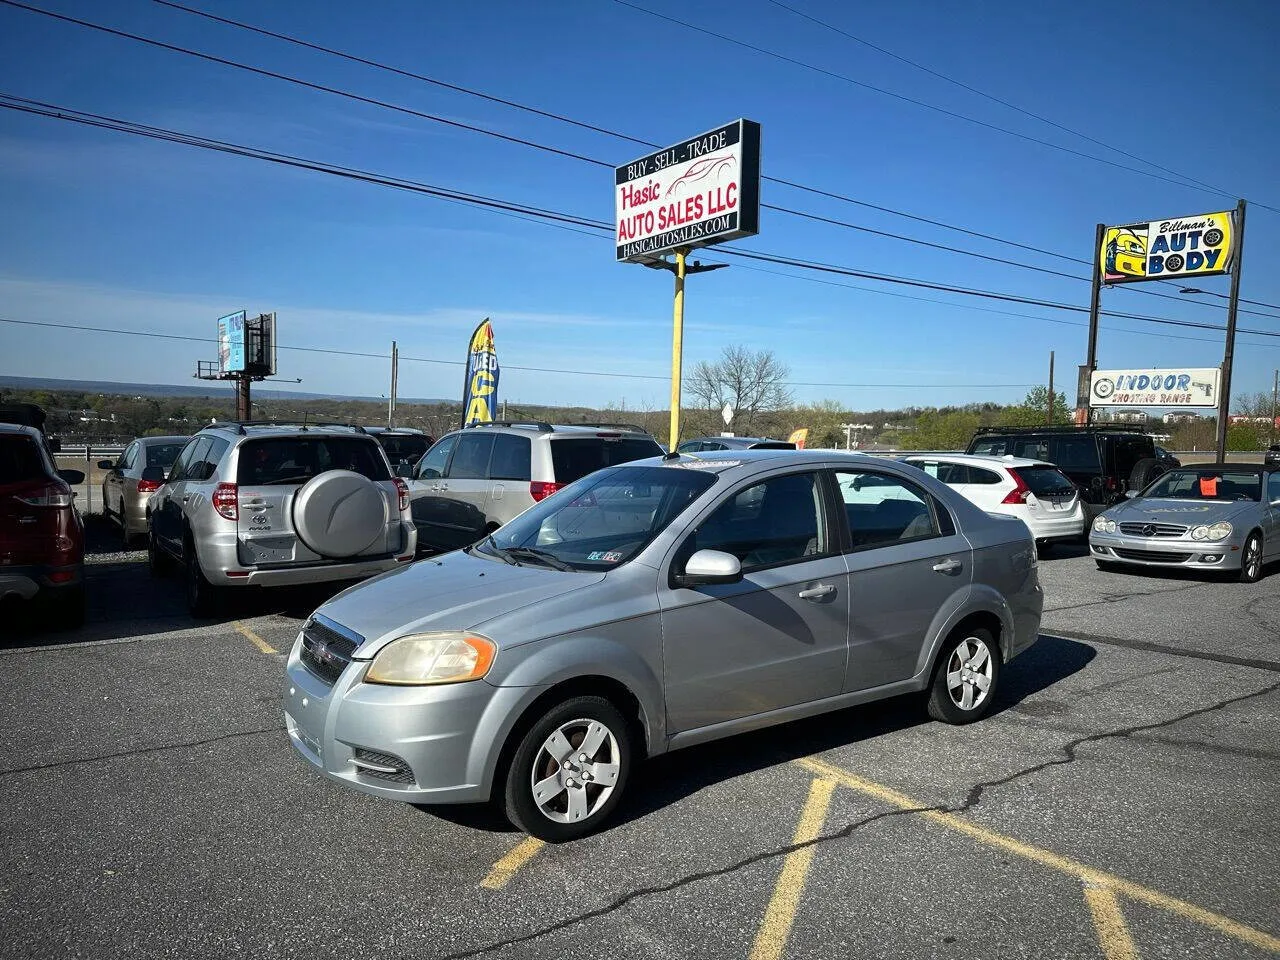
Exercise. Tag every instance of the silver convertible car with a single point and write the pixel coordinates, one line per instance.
(652, 606)
(1208, 516)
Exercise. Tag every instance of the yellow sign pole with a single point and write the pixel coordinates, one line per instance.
(677, 348)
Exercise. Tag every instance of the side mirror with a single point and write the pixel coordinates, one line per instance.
(710, 566)
(1131, 494)
(106, 465)
(154, 474)
(431, 473)
(73, 477)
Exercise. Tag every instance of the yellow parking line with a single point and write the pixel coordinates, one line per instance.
(1108, 920)
(1134, 891)
(781, 912)
(516, 858)
(256, 640)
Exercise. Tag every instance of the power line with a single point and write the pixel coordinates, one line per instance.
(96, 120)
(595, 128)
(987, 96)
(517, 140)
(898, 96)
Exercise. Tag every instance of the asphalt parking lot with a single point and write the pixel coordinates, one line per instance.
(1120, 803)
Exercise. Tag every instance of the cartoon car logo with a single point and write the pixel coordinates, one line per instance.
(1126, 253)
(701, 170)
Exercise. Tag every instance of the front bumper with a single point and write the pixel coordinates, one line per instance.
(1161, 552)
(432, 744)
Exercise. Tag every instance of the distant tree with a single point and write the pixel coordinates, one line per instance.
(942, 431)
(753, 382)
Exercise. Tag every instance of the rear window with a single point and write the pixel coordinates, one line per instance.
(285, 460)
(404, 447)
(163, 454)
(20, 460)
(773, 445)
(1046, 481)
(574, 458)
(1075, 453)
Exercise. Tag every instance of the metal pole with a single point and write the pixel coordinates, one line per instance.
(677, 347)
(1275, 394)
(391, 400)
(1224, 399)
(1049, 418)
(244, 406)
(1095, 302)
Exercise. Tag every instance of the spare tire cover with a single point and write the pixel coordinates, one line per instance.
(339, 513)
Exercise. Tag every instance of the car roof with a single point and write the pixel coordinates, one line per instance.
(1220, 465)
(16, 428)
(720, 461)
(285, 430)
(978, 459)
(176, 438)
(384, 431)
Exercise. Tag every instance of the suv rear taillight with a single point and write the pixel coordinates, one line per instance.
(56, 494)
(402, 488)
(148, 486)
(1020, 491)
(541, 489)
(226, 500)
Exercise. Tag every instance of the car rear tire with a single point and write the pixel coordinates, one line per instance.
(1251, 559)
(570, 770)
(966, 677)
(158, 562)
(1143, 472)
(202, 596)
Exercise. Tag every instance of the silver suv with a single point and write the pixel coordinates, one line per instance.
(474, 480)
(268, 504)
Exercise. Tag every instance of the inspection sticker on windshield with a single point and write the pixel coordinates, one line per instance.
(608, 556)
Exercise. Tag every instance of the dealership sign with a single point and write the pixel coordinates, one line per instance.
(1197, 246)
(1189, 387)
(701, 191)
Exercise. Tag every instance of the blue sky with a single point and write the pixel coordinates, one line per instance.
(117, 231)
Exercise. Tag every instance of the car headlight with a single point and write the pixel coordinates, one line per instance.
(431, 658)
(1104, 525)
(1199, 533)
(1220, 530)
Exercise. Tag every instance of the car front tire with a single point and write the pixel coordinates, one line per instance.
(1106, 566)
(158, 562)
(966, 678)
(1251, 559)
(570, 770)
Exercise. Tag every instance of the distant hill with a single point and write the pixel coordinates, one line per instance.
(205, 389)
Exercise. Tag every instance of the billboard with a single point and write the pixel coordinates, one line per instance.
(699, 192)
(480, 390)
(1182, 387)
(1198, 246)
(231, 337)
(260, 345)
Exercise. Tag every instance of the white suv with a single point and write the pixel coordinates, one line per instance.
(1036, 492)
(472, 481)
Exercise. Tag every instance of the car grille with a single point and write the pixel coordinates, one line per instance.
(1139, 529)
(381, 766)
(325, 652)
(1152, 556)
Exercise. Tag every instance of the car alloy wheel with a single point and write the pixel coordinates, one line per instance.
(570, 769)
(1251, 560)
(965, 680)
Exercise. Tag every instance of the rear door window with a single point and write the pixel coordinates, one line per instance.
(1074, 453)
(20, 460)
(1033, 448)
(574, 457)
(511, 456)
(979, 475)
(471, 459)
(196, 459)
(295, 460)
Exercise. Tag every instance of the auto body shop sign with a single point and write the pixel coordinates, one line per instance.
(1191, 387)
(1196, 246)
(702, 191)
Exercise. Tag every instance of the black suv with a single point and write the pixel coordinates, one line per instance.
(1103, 461)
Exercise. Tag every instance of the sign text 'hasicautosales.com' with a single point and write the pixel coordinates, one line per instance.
(702, 191)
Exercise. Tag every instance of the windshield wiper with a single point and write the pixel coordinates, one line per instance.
(498, 551)
(542, 556)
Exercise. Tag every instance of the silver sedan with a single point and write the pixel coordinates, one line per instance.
(125, 489)
(1209, 516)
(653, 606)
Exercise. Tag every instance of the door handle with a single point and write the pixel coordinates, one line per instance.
(818, 592)
(947, 566)
(188, 497)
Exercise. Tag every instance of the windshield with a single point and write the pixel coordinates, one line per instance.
(1207, 484)
(297, 459)
(163, 454)
(602, 521)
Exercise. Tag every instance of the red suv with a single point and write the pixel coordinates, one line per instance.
(41, 533)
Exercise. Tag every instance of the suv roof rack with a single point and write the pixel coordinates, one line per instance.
(240, 425)
(1075, 428)
(540, 425)
(629, 427)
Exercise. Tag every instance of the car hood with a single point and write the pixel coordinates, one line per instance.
(454, 592)
(1191, 513)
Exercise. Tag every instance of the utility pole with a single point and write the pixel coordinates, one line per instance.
(1049, 417)
(1224, 400)
(1275, 394)
(395, 373)
(244, 405)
